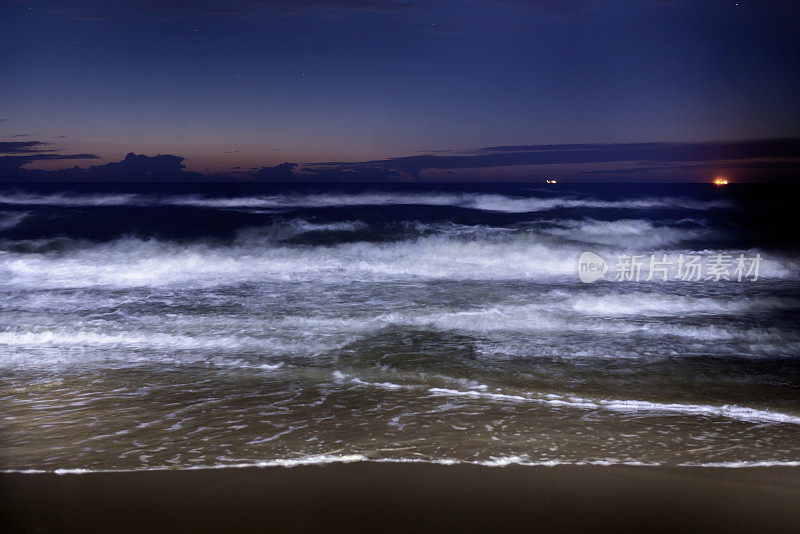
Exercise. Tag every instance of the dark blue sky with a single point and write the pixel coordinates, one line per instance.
(233, 86)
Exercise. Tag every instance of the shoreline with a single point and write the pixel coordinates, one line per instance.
(394, 497)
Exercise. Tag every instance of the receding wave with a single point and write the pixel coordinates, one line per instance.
(267, 342)
(741, 413)
(631, 406)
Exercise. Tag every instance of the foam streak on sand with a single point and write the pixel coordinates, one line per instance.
(327, 459)
(741, 413)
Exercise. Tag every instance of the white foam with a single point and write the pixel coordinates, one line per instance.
(381, 385)
(152, 340)
(65, 199)
(740, 413)
(292, 228)
(744, 463)
(495, 461)
(659, 304)
(316, 459)
(130, 262)
(62, 346)
(53, 329)
(536, 318)
(625, 234)
(479, 201)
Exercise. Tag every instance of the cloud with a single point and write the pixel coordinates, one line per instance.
(134, 167)
(278, 173)
(755, 159)
(15, 154)
(576, 159)
(598, 153)
(22, 147)
(11, 166)
(292, 172)
(137, 167)
(362, 172)
(745, 165)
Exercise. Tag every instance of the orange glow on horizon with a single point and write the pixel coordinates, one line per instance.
(721, 181)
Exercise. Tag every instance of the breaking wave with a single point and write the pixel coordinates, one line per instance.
(477, 201)
(131, 262)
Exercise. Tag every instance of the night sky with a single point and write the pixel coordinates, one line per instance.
(498, 90)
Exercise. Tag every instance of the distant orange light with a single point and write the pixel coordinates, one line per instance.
(551, 182)
(721, 181)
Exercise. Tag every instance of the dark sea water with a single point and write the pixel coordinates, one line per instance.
(186, 325)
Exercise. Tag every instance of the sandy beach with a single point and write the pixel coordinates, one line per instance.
(365, 496)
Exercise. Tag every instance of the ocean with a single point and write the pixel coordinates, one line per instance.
(180, 326)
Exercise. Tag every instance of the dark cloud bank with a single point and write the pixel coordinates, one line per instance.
(767, 159)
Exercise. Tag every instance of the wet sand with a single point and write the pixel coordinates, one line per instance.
(371, 497)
